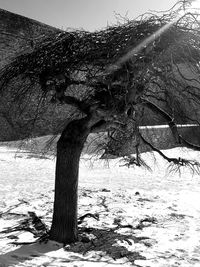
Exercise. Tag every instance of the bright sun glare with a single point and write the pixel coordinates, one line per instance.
(193, 7)
(195, 4)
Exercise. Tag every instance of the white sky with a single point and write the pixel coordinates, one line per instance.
(87, 14)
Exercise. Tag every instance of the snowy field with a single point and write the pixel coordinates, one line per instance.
(141, 218)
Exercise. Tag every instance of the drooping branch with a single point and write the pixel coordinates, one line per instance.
(175, 163)
(170, 120)
(166, 116)
(174, 160)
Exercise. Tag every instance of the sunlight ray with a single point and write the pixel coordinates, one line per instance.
(193, 4)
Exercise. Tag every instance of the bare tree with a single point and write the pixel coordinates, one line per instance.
(116, 80)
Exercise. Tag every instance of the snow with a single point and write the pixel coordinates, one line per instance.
(167, 126)
(149, 219)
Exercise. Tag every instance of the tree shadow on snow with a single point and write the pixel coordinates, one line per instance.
(27, 252)
(100, 244)
(95, 245)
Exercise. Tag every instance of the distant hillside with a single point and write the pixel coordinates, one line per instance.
(19, 34)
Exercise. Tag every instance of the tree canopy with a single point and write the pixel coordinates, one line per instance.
(127, 75)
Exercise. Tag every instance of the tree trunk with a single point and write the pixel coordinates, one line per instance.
(69, 148)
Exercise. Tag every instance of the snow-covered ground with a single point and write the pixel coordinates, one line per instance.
(141, 218)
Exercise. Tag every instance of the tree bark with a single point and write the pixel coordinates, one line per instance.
(69, 148)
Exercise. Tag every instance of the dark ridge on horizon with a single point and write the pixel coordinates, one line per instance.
(20, 34)
(30, 19)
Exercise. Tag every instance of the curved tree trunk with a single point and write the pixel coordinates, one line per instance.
(69, 147)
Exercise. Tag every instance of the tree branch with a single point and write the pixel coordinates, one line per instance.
(174, 160)
(178, 138)
(175, 163)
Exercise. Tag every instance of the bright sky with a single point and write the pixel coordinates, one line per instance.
(86, 14)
